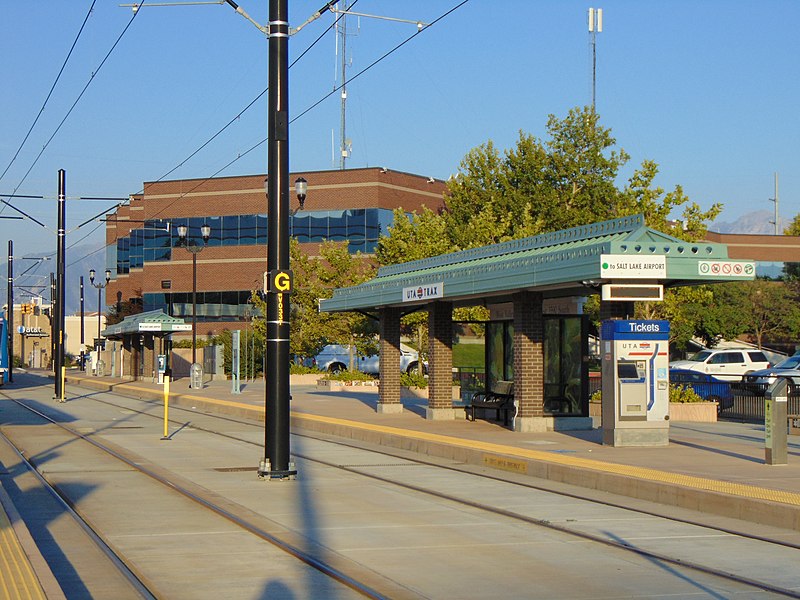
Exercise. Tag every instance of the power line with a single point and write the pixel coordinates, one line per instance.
(69, 112)
(50, 93)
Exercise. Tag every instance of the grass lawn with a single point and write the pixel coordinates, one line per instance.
(468, 355)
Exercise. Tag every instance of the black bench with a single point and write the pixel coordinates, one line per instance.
(500, 400)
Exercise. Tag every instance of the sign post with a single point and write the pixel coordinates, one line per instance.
(775, 423)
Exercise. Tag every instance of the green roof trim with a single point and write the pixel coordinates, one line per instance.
(561, 263)
(154, 321)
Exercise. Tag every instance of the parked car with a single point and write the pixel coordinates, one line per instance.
(336, 357)
(761, 379)
(704, 385)
(729, 364)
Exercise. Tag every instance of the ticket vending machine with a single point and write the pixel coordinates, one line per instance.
(635, 369)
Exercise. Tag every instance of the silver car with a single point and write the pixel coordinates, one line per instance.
(763, 377)
(335, 358)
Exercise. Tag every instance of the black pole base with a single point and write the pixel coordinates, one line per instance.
(288, 474)
(265, 471)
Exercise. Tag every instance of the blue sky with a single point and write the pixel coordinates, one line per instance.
(708, 90)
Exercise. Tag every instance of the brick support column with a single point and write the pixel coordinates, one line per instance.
(440, 361)
(529, 362)
(389, 398)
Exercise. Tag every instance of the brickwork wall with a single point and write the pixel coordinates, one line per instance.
(390, 356)
(529, 354)
(440, 355)
(223, 268)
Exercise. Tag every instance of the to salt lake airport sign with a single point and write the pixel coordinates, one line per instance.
(423, 292)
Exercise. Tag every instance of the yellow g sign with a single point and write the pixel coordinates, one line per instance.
(281, 282)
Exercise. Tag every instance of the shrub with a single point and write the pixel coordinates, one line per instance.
(413, 379)
(348, 376)
(683, 394)
(295, 369)
(677, 393)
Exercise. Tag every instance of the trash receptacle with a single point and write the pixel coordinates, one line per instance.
(196, 376)
(100, 371)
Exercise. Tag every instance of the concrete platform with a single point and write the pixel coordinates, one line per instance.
(718, 468)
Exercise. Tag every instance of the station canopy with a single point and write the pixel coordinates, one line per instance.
(622, 254)
(154, 322)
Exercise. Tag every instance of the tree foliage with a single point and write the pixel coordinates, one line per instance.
(761, 308)
(564, 181)
(132, 306)
(315, 277)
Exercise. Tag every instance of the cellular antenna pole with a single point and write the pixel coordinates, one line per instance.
(595, 27)
(775, 200)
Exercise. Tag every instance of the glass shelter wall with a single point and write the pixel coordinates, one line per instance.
(565, 370)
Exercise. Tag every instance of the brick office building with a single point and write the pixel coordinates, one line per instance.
(142, 237)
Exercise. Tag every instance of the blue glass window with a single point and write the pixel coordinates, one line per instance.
(230, 230)
(247, 230)
(318, 225)
(357, 224)
(300, 227)
(337, 225)
(262, 229)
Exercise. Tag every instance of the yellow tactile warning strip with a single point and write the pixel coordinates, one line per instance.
(640, 473)
(643, 473)
(17, 579)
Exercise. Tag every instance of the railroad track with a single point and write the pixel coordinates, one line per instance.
(390, 469)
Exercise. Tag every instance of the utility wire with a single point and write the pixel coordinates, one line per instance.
(50, 93)
(244, 110)
(69, 112)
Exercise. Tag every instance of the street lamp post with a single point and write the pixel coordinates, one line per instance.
(99, 287)
(195, 381)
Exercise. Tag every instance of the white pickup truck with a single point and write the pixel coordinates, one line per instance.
(335, 357)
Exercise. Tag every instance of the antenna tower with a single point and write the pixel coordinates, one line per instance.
(595, 27)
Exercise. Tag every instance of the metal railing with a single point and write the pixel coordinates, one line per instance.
(748, 400)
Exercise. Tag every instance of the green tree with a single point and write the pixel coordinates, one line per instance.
(132, 306)
(641, 196)
(413, 237)
(565, 181)
(686, 309)
(791, 270)
(761, 308)
(316, 277)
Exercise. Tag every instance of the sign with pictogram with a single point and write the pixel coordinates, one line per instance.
(726, 268)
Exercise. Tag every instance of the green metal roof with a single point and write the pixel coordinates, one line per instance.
(155, 322)
(558, 264)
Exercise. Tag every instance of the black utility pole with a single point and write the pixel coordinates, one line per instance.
(53, 313)
(276, 432)
(61, 294)
(83, 351)
(10, 311)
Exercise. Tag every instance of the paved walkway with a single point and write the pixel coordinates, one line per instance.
(713, 467)
(716, 468)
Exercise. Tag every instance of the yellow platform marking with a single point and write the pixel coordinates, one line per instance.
(17, 579)
(642, 473)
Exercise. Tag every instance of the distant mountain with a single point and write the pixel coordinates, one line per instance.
(33, 279)
(757, 222)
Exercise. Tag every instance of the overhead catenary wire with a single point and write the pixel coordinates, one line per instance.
(69, 112)
(307, 110)
(49, 94)
(260, 143)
